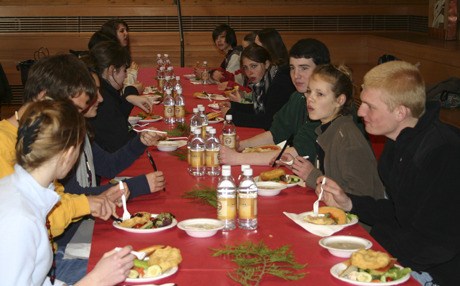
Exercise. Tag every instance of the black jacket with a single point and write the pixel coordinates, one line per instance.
(277, 95)
(418, 224)
(111, 126)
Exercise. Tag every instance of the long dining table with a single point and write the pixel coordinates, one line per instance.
(199, 266)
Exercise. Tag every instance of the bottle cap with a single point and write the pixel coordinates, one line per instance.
(177, 77)
(197, 131)
(212, 131)
(166, 55)
(228, 117)
(226, 167)
(201, 108)
(226, 172)
(243, 167)
(195, 110)
(247, 172)
(158, 55)
(168, 77)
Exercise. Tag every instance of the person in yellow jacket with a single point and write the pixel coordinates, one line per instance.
(57, 77)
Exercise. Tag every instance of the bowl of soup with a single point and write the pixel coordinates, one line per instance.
(344, 245)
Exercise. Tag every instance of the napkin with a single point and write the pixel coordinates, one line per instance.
(316, 229)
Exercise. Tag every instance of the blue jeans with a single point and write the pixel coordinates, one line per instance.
(69, 270)
(424, 278)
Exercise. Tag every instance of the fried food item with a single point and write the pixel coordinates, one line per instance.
(321, 220)
(272, 174)
(261, 149)
(139, 218)
(370, 259)
(149, 250)
(338, 215)
(228, 92)
(167, 258)
(212, 115)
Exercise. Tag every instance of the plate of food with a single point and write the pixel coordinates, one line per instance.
(209, 96)
(214, 106)
(160, 262)
(280, 176)
(145, 222)
(367, 267)
(329, 221)
(216, 120)
(201, 227)
(148, 118)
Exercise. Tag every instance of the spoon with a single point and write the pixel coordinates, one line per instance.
(316, 203)
(139, 255)
(126, 214)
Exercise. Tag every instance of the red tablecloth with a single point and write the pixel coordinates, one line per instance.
(198, 266)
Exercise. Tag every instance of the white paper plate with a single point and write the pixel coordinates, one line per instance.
(216, 120)
(151, 279)
(150, 120)
(299, 183)
(338, 268)
(214, 106)
(212, 96)
(151, 230)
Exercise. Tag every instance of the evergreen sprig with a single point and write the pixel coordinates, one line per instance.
(204, 194)
(181, 129)
(255, 260)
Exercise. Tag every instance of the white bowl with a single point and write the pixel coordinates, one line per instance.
(133, 119)
(344, 245)
(268, 188)
(201, 227)
(167, 146)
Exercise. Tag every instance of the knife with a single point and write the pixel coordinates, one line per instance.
(282, 150)
(151, 161)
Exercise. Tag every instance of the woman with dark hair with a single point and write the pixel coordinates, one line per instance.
(224, 38)
(270, 39)
(343, 152)
(117, 29)
(111, 126)
(271, 87)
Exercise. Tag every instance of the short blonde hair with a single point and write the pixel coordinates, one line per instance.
(401, 82)
(46, 129)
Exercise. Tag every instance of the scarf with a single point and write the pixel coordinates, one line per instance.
(260, 89)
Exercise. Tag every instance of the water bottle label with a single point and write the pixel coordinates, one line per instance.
(196, 158)
(180, 111)
(229, 140)
(212, 158)
(226, 208)
(247, 207)
(169, 111)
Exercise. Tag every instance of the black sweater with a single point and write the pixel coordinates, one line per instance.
(418, 223)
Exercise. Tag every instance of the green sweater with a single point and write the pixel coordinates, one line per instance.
(292, 119)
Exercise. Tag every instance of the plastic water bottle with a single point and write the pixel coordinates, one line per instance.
(166, 60)
(226, 199)
(204, 120)
(168, 103)
(212, 154)
(177, 85)
(205, 73)
(243, 167)
(161, 78)
(179, 107)
(229, 132)
(195, 120)
(247, 201)
(167, 84)
(190, 137)
(197, 154)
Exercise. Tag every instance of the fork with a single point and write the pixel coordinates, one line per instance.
(139, 255)
(316, 203)
(126, 214)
